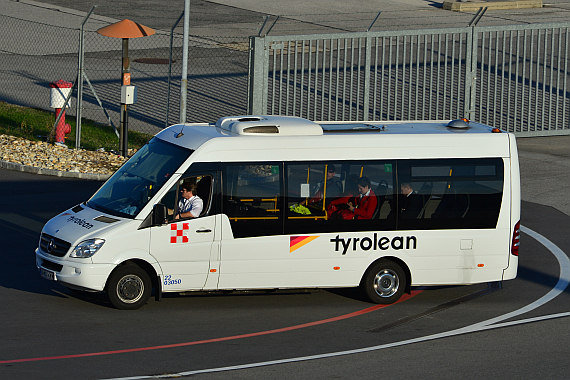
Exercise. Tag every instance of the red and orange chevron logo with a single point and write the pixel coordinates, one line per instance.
(296, 242)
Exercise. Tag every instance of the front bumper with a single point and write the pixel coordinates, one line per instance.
(79, 275)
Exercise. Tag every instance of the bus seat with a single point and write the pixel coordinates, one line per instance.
(203, 190)
(425, 192)
(381, 191)
(453, 205)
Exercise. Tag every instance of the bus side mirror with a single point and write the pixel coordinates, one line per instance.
(158, 214)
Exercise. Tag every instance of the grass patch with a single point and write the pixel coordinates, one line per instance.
(36, 125)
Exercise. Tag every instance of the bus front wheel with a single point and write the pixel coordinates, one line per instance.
(384, 282)
(129, 287)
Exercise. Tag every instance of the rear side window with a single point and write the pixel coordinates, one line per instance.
(449, 193)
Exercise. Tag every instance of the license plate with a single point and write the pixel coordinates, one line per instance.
(48, 275)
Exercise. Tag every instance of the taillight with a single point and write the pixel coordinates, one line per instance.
(516, 239)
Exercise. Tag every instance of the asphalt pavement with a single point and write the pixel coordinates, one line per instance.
(245, 17)
(50, 332)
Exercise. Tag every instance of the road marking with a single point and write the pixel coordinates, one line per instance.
(561, 285)
(489, 289)
(214, 340)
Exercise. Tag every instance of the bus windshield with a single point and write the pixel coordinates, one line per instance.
(134, 184)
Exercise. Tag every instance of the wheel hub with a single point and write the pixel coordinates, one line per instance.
(130, 288)
(386, 283)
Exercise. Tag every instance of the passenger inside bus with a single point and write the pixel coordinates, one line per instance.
(411, 203)
(338, 207)
(361, 206)
(332, 189)
(365, 204)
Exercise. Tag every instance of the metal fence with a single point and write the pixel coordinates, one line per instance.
(217, 78)
(511, 77)
(218, 71)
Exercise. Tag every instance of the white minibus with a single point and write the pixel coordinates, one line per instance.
(275, 202)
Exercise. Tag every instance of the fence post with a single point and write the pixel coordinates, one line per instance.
(257, 84)
(170, 68)
(184, 79)
(367, 63)
(471, 73)
(80, 75)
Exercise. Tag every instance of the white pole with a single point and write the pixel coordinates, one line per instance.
(184, 81)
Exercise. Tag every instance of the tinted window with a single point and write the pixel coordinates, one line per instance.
(444, 194)
(450, 194)
(319, 196)
(252, 199)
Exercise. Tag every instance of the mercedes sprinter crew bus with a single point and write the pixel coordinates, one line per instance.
(283, 202)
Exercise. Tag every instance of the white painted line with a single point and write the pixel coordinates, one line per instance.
(561, 285)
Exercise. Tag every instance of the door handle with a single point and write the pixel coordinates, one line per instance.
(205, 231)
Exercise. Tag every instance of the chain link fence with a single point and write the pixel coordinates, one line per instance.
(217, 73)
(33, 54)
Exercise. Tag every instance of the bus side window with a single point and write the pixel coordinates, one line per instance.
(310, 189)
(314, 208)
(455, 193)
(252, 199)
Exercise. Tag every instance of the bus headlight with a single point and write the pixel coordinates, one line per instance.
(87, 248)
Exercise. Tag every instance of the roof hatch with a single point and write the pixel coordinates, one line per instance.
(459, 124)
(269, 125)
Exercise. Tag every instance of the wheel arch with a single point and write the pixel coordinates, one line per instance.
(144, 265)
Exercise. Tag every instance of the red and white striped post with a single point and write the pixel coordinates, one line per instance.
(59, 92)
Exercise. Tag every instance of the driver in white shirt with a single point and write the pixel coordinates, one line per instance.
(190, 205)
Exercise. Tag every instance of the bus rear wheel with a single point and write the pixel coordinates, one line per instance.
(129, 287)
(384, 282)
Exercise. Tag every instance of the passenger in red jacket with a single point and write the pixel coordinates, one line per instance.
(363, 205)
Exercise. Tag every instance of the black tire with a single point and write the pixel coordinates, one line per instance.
(384, 282)
(128, 287)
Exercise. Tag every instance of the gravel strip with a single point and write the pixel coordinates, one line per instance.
(43, 158)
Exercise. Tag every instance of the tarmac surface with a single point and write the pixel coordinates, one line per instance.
(545, 171)
(245, 17)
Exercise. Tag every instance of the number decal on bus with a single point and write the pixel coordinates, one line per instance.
(169, 281)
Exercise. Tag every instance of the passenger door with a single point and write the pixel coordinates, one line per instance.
(183, 247)
(254, 250)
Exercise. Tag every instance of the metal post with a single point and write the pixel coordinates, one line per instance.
(475, 20)
(272, 25)
(170, 69)
(257, 87)
(184, 81)
(80, 74)
(126, 80)
(367, 69)
(470, 73)
(262, 26)
(373, 21)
